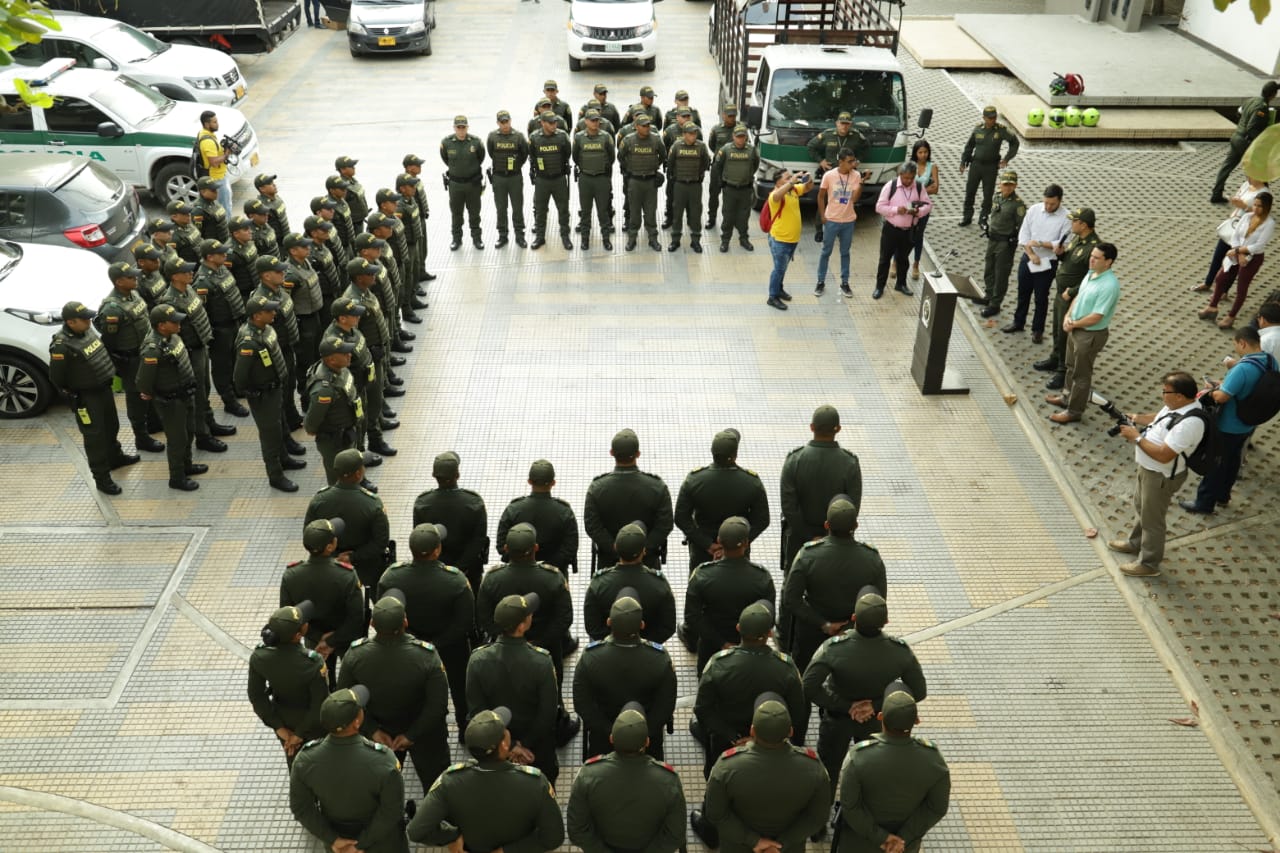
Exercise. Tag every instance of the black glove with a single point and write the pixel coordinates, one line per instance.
(817, 233)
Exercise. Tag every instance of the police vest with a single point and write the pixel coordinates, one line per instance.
(303, 285)
(122, 322)
(688, 162)
(373, 324)
(267, 367)
(222, 297)
(407, 210)
(286, 321)
(85, 360)
(242, 259)
(150, 286)
(507, 157)
(264, 238)
(342, 223)
(550, 156)
(196, 330)
(644, 156)
(463, 157)
(277, 214)
(321, 260)
(185, 239)
(344, 408)
(212, 219)
(739, 164)
(593, 155)
(363, 370)
(169, 359)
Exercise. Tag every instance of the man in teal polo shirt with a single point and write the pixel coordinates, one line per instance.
(1087, 325)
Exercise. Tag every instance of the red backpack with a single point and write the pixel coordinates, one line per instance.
(766, 215)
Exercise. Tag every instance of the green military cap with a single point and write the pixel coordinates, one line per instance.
(378, 219)
(682, 95)
(177, 266)
(204, 182)
(626, 614)
(725, 442)
(260, 302)
(685, 112)
(336, 182)
(166, 314)
(899, 707)
(842, 514)
(255, 207)
(601, 89)
(319, 533)
(730, 109)
(412, 160)
(445, 464)
(690, 128)
(647, 92)
(543, 102)
(825, 418)
(459, 121)
(771, 720)
(644, 119)
(286, 621)
(756, 620)
(122, 270)
(630, 730)
(159, 224)
(870, 611)
(988, 111)
(293, 240)
(734, 532)
(345, 162)
(1084, 214)
(316, 223)
(339, 709)
(345, 307)
(548, 117)
(1008, 176)
(514, 609)
(405, 178)
(269, 263)
(146, 252)
(487, 730)
(521, 538)
(542, 472)
(363, 266)
(239, 223)
(386, 194)
(368, 241)
(388, 612)
(323, 202)
(77, 311)
(625, 443)
(177, 206)
(630, 540)
(211, 247)
(347, 461)
(336, 346)
(550, 86)
(740, 130)
(592, 115)
(504, 115)
(425, 538)
(261, 181)
(845, 116)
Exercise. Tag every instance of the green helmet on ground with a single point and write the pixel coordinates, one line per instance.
(1090, 117)
(1035, 117)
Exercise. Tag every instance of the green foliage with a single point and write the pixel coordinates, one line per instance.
(22, 22)
(1260, 8)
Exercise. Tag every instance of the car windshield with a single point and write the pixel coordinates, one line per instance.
(132, 102)
(126, 44)
(812, 99)
(90, 190)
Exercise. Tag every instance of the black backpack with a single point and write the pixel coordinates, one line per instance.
(1263, 402)
(198, 168)
(1208, 452)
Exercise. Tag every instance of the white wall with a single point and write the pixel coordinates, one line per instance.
(1236, 32)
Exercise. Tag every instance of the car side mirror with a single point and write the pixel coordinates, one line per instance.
(103, 64)
(110, 129)
(926, 118)
(754, 115)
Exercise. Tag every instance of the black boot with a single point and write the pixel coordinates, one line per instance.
(147, 443)
(106, 485)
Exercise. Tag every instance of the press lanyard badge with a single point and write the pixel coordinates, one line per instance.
(265, 356)
(83, 414)
(511, 164)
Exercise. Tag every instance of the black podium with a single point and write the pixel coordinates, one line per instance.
(933, 337)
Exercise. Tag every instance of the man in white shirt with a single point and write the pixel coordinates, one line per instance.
(1045, 228)
(1161, 450)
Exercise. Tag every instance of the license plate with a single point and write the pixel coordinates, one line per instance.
(239, 92)
(253, 159)
(613, 47)
(386, 41)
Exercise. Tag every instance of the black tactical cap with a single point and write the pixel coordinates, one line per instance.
(734, 532)
(77, 311)
(336, 346)
(487, 730)
(261, 181)
(406, 178)
(368, 241)
(344, 307)
(378, 219)
(269, 263)
(363, 266)
(646, 92)
(211, 247)
(204, 182)
(342, 707)
(425, 538)
(388, 612)
(514, 609)
(316, 223)
(756, 620)
(521, 538)
(177, 206)
(255, 207)
(412, 160)
(286, 621)
(259, 302)
(323, 202)
(319, 533)
(122, 270)
(146, 252)
(166, 314)
(385, 194)
(293, 240)
(336, 182)
(239, 223)
(177, 266)
(630, 540)
(159, 224)
(345, 162)
(643, 120)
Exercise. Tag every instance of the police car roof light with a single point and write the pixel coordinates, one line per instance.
(50, 71)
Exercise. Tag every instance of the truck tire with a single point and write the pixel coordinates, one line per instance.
(25, 390)
(651, 63)
(174, 181)
(426, 50)
(575, 64)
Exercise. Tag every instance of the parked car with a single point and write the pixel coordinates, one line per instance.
(390, 26)
(612, 31)
(179, 71)
(67, 202)
(133, 130)
(35, 282)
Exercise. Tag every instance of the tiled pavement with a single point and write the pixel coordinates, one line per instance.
(126, 637)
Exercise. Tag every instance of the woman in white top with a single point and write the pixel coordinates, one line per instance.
(927, 178)
(1241, 205)
(1243, 259)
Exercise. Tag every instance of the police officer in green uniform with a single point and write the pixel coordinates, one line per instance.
(409, 209)
(767, 789)
(460, 510)
(734, 171)
(847, 677)
(261, 375)
(623, 495)
(1003, 224)
(197, 334)
(513, 671)
(508, 151)
(122, 323)
(459, 811)
(600, 103)
(160, 235)
(379, 290)
(687, 165)
(1255, 117)
(270, 274)
(217, 287)
(346, 167)
(393, 213)
(463, 156)
(534, 127)
(825, 148)
(303, 284)
(186, 236)
(320, 257)
(825, 579)
(408, 690)
(623, 668)
(288, 681)
(894, 787)
(346, 788)
(380, 228)
(718, 591)
(720, 136)
(207, 215)
(277, 211)
(332, 587)
(242, 254)
(552, 518)
(641, 157)
(336, 188)
(982, 158)
(151, 281)
(363, 541)
(325, 208)
(652, 589)
(264, 236)
(593, 157)
(377, 334)
(645, 105)
(714, 492)
(653, 818)
(550, 156)
(167, 379)
(672, 135)
(335, 412)
(440, 607)
(551, 94)
(681, 103)
(413, 167)
(346, 314)
(81, 369)
(1073, 266)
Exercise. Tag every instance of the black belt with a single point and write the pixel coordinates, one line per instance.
(688, 182)
(475, 179)
(497, 174)
(999, 236)
(301, 316)
(595, 174)
(735, 186)
(124, 353)
(643, 177)
(551, 177)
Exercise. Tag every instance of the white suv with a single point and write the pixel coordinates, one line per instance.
(612, 31)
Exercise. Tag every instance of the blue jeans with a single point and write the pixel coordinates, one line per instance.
(830, 232)
(782, 254)
(312, 8)
(1215, 488)
(919, 247)
(224, 194)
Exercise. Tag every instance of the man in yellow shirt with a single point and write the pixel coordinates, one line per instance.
(213, 158)
(784, 233)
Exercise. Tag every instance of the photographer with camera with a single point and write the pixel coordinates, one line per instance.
(784, 230)
(213, 157)
(902, 204)
(1162, 442)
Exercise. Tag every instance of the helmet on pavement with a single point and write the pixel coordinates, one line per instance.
(1035, 117)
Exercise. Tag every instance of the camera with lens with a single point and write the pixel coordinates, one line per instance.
(232, 148)
(1111, 410)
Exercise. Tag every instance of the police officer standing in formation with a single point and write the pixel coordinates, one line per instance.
(681, 99)
(333, 589)
(458, 811)
(534, 127)
(160, 237)
(1003, 224)
(288, 682)
(622, 668)
(720, 136)
(672, 135)
(264, 236)
(650, 587)
(167, 379)
(439, 605)
(593, 158)
(335, 412)
(600, 102)
(894, 787)
(718, 591)
(151, 281)
(261, 375)
(847, 677)
(122, 323)
(217, 287)
(653, 818)
(552, 518)
(413, 168)
(463, 156)
(645, 106)
(734, 172)
(641, 157)
(207, 215)
(186, 236)
(627, 494)
(242, 252)
(1073, 266)
(409, 209)
(550, 154)
(277, 210)
(408, 691)
(197, 334)
(346, 167)
(825, 580)
(303, 284)
(687, 165)
(347, 790)
(336, 188)
(270, 273)
(983, 159)
(767, 789)
(463, 513)
(508, 152)
(366, 530)
(320, 257)
(81, 369)
(377, 335)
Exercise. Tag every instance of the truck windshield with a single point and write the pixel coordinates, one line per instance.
(132, 102)
(812, 99)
